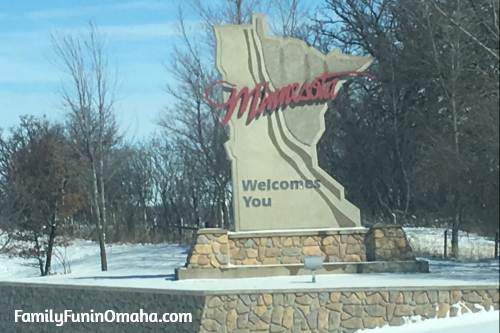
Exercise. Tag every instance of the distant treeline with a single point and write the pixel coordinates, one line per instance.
(417, 145)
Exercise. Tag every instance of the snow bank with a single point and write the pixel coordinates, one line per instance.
(481, 322)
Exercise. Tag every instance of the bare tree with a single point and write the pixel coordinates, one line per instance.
(368, 27)
(40, 186)
(194, 124)
(455, 64)
(421, 139)
(6, 224)
(486, 13)
(289, 18)
(88, 96)
(192, 121)
(5, 239)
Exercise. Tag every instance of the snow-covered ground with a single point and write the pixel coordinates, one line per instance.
(430, 242)
(153, 265)
(481, 322)
(83, 258)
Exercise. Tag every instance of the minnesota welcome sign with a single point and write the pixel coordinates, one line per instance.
(274, 94)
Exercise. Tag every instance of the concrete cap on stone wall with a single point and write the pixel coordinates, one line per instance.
(386, 225)
(211, 231)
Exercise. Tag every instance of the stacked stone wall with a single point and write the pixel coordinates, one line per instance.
(210, 249)
(388, 242)
(276, 250)
(337, 311)
(244, 311)
(33, 298)
(214, 248)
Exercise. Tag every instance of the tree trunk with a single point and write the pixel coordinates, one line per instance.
(115, 225)
(397, 145)
(454, 235)
(222, 213)
(239, 18)
(181, 221)
(40, 264)
(456, 221)
(38, 256)
(102, 234)
(97, 212)
(50, 248)
(225, 213)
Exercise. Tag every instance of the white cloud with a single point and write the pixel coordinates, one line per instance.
(89, 10)
(25, 56)
(136, 113)
(15, 104)
(150, 5)
(15, 70)
(14, 41)
(151, 30)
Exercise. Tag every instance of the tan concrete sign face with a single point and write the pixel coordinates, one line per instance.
(277, 183)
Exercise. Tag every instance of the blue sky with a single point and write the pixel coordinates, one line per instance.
(140, 35)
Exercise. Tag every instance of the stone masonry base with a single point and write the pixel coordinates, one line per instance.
(338, 311)
(221, 251)
(242, 311)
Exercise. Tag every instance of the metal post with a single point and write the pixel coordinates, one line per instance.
(313, 263)
(496, 245)
(445, 243)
